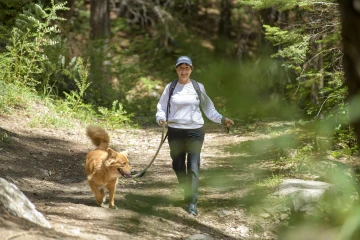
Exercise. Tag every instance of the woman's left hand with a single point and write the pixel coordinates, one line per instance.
(228, 122)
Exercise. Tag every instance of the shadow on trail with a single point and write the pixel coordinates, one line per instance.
(150, 206)
(247, 165)
(261, 148)
(222, 178)
(25, 156)
(52, 197)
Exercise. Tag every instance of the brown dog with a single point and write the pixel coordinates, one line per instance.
(104, 165)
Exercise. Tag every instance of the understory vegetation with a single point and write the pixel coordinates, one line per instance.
(261, 62)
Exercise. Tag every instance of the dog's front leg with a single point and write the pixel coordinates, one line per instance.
(112, 188)
(99, 195)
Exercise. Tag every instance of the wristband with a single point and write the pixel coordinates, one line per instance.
(223, 120)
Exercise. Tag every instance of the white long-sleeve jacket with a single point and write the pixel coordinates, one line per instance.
(185, 107)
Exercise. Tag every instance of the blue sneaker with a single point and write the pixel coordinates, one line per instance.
(192, 209)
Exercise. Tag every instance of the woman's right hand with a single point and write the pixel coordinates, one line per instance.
(162, 122)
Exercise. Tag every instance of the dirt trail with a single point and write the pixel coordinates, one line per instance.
(48, 166)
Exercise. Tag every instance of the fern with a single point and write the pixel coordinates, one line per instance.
(80, 75)
(116, 117)
(33, 32)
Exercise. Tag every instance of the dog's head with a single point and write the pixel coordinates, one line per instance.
(118, 163)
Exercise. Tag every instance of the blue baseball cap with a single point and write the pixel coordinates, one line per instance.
(183, 59)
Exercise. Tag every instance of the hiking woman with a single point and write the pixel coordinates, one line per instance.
(179, 108)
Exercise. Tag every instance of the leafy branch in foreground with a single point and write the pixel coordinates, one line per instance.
(26, 56)
(306, 37)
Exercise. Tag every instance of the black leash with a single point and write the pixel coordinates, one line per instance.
(163, 138)
(140, 174)
(227, 129)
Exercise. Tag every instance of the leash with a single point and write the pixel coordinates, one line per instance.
(140, 174)
(227, 129)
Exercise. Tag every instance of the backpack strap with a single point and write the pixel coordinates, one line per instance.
(171, 91)
(197, 88)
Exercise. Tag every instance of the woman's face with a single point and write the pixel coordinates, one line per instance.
(183, 71)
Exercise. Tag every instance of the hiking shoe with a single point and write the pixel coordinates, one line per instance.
(192, 209)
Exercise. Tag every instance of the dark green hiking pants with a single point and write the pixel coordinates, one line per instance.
(185, 148)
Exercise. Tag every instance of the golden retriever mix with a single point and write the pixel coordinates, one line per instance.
(104, 166)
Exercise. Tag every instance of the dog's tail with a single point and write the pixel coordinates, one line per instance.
(98, 136)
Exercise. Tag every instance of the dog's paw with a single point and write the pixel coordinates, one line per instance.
(112, 207)
(100, 200)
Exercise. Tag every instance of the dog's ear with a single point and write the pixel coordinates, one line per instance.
(125, 153)
(111, 153)
(111, 157)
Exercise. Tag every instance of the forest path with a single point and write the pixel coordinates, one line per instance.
(47, 165)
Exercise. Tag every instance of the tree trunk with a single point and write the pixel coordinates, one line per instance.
(99, 19)
(71, 5)
(317, 65)
(100, 60)
(350, 21)
(224, 29)
(225, 18)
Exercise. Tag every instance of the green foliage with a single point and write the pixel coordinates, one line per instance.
(143, 97)
(15, 97)
(9, 9)
(61, 113)
(75, 99)
(307, 46)
(54, 114)
(294, 46)
(25, 58)
(247, 89)
(345, 139)
(4, 138)
(284, 4)
(116, 117)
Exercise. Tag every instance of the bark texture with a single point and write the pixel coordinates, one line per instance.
(350, 21)
(100, 19)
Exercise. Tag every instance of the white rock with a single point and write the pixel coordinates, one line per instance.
(200, 237)
(13, 201)
(283, 216)
(244, 231)
(265, 215)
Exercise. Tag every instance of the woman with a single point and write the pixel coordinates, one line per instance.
(181, 112)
